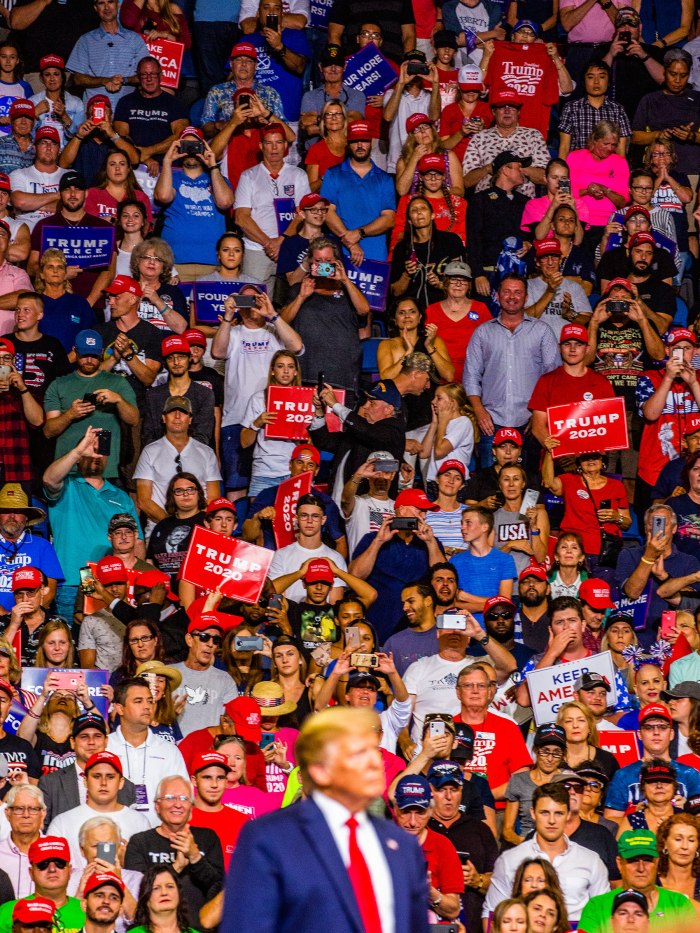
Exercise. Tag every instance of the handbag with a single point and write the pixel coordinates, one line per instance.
(610, 545)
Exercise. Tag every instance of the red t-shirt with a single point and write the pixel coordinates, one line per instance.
(242, 152)
(578, 510)
(454, 221)
(103, 204)
(201, 741)
(319, 154)
(528, 70)
(457, 334)
(226, 823)
(662, 439)
(451, 120)
(560, 388)
(499, 751)
(443, 863)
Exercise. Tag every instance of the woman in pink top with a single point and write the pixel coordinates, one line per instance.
(539, 212)
(239, 794)
(599, 179)
(115, 183)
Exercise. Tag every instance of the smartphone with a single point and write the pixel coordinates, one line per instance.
(247, 643)
(107, 852)
(658, 525)
(530, 498)
(90, 399)
(87, 581)
(404, 523)
(364, 660)
(386, 466)
(605, 504)
(267, 739)
(246, 301)
(353, 637)
(321, 381)
(417, 68)
(275, 601)
(322, 654)
(436, 727)
(104, 442)
(98, 112)
(464, 856)
(272, 21)
(191, 146)
(323, 270)
(452, 621)
(677, 353)
(4, 375)
(443, 928)
(69, 680)
(668, 622)
(564, 184)
(244, 100)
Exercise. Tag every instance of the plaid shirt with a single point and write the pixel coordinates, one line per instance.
(17, 465)
(578, 119)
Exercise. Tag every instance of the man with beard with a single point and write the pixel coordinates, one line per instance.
(102, 901)
(499, 622)
(531, 619)
(104, 399)
(443, 579)
(80, 505)
(657, 298)
(419, 640)
(19, 547)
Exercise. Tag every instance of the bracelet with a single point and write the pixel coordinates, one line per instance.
(129, 357)
(33, 715)
(645, 59)
(89, 709)
(485, 640)
(23, 391)
(664, 43)
(275, 318)
(436, 902)
(649, 563)
(116, 136)
(430, 352)
(535, 534)
(283, 51)
(355, 482)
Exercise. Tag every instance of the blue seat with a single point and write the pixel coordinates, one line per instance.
(368, 364)
(681, 316)
(633, 533)
(196, 111)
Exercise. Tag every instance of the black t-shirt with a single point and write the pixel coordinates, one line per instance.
(313, 625)
(145, 341)
(484, 483)
(432, 257)
(169, 542)
(54, 755)
(390, 15)
(614, 264)
(40, 362)
(149, 118)
(630, 80)
(658, 296)
(208, 376)
(20, 755)
(598, 839)
(55, 30)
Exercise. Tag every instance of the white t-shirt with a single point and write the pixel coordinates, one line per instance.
(257, 189)
(433, 682)
(32, 181)
(366, 516)
(207, 693)
(292, 556)
(460, 433)
(471, 19)
(68, 825)
(398, 134)
(250, 350)
(271, 455)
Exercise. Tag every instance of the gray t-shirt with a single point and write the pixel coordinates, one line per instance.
(207, 693)
(511, 526)
(327, 323)
(521, 787)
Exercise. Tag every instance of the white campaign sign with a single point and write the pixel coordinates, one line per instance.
(551, 687)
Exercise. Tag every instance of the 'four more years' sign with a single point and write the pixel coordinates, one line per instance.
(236, 568)
(169, 54)
(585, 427)
(551, 687)
(87, 247)
(368, 71)
(318, 13)
(209, 298)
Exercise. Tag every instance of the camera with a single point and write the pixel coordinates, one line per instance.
(404, 524)
(417, 68)
(618, 306)
(323, 270)
(364, 660)
(272, 21)
(452, 621)
(191, 147)
(104, 442)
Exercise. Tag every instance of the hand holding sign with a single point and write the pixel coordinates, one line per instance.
(228, 565)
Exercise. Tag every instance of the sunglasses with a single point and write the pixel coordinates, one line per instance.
(594, 785)
(205, 638)
(492, 616)
(45, 863)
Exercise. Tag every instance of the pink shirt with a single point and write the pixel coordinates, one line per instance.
(12, 279)
(251, 800)
(595, 25)
(613, 173)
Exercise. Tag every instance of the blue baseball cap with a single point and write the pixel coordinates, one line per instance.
(88, 343)
(442, 772)
(413, 791)
(385, 391)
(530, 24)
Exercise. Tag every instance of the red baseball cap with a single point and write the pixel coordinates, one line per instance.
(311, 200)
(507, 436)
(216, 505)
(692, 423)
(195, 338)
(48, 847)
(654, 711)
(51, 61)
(273, 128)
(243, 90)
(452, 465)
(27, 578)
(244, 712)
(432, 162)
(418, 119)
(637, 209)
(150, 578)
(246, 49)
(319, 571)
(47, 132)
(123, 284)
(176, 343)
(619, 282)
(5, 183)
(221, 620)
(311, 452)
(498, 601)
(22, 108)
(359, 130)
(675, 336)
(596, 593)
(98, 99)
(642, 237)
(6, 686)
(104, 758)
(533, 570)
(573, 332)
(111, 570)
(192, 131)
(36, 910)
(549, 246)
(6, 344)
(101, 878)
(416, 498)
(505, 98)
(209, 760)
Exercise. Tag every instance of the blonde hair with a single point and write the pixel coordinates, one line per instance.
(329, 726)
(455, 391)
(47, 256)
(593, 737)
(15, 673)
(332, 103)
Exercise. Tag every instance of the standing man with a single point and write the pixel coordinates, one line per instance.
(420, 639)
(209, 772)
(505, 358)
(19, 412)
(376, 871)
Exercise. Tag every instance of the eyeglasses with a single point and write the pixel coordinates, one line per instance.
(142, 640)
(58, 862)
(473, 686)
(593, 785)
(205, 638)
(642, 187)
(178, 463)
(185, 491)
(370, 35)
(152, 259)
(420, 128)
(32, 811)
(181, 798)
(660, 155)
(656, 727)
(555, 756)
(492, 616)
(575, 786)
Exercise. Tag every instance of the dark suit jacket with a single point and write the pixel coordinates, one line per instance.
(287, 876)
(60, 789)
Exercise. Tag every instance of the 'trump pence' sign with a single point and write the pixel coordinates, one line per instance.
(87, 247)
(551, 687)
(236, 568)
(586, 427)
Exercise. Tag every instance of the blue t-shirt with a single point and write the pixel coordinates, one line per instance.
(271, 72)
(359, 200)
(193, 223)
(32, 551)
(482, 576)
(624, 788)
(334, 523)
(65, 317)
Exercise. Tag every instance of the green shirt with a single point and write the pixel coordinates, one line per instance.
(63, 391)
(71, 916)
(597, 913)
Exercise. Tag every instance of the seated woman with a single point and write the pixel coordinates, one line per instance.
(658, 787)
(539, 212)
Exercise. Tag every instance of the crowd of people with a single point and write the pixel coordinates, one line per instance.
(433, 224)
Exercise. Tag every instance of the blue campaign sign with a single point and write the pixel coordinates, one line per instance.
(87, 247)
(368, 71)
(14, 718)
(33, 681)
(372, 278)
(209, 298)
(638, 607)
(285, 211)
(319, 11)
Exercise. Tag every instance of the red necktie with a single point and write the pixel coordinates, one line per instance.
(361, 881)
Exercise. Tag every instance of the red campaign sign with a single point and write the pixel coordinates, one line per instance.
(169, 54)
(584, 427)
(295, 411)
(289, 492)
(238, 569)
(622, 744)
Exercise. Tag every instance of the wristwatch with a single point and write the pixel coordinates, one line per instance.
(361, 231)
(485, 640)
